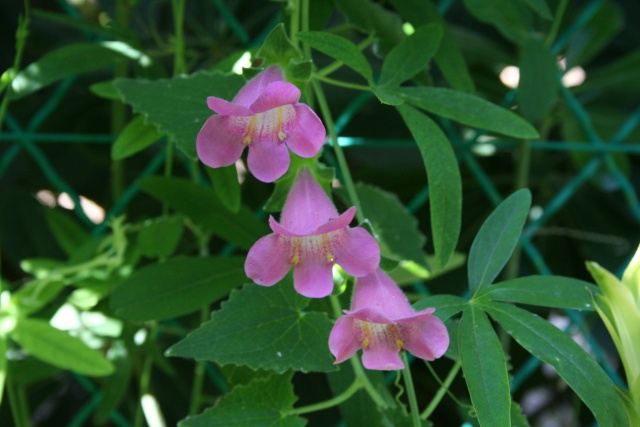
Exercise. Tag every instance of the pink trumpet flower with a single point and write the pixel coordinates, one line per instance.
(266, 117)
(382, 322)
(311, 237)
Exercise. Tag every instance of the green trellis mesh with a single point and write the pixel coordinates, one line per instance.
(24, 139)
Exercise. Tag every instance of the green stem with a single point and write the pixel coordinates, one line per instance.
(342, 161)
(294, 22)
(350, 391)
(179, 66)
(198, 375)
(118, 111)
(21, 40)
(557, 20)
(341, 83)
(444, 387)
(411, 391)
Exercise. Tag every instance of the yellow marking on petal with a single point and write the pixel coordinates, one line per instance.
(330, 258)
(295, 249)
(282, 136)
(327, 249)
(399, 343)
(365, 342)
(280, 123)
(248, 136)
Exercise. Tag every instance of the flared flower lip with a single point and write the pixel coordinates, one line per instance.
(372, 315)
(340, 222)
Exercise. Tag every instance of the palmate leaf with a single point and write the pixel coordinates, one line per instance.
(264, 402)
(573, 364)
(263, 327)
(468, 109)
(178, 106)
(485, 368)
(445, 305)
(205, 209)
(509, 17)
(176, 287)
(339, 48)
(496, 240)
(448, 57)
(546, 291)
(445, 184)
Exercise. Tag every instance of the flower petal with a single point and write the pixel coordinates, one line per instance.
(226, 108)
(357, 252)
(426, 338)
(268, 260)
(313, 277)
(219, 142)
(275, 95)
(254, 87)
(381, 356)
(369, 315)
(307, 206)
(344, 339)
(306, 133)
(268, 160)
(336, 224)
(379, 292)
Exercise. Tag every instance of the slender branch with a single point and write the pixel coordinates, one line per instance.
(557, 20)
(341, 83)
(342, 161)
(350, 391)
(411, 391)
(444, 387)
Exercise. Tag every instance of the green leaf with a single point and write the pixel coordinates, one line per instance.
(226, 186)
(159, 237)
(263, 327)
(264, 402)
(411, 55)
(540, 7)
(469, 110)
(497, 239)
(278, 49)
(67, 61)
(60, 349)
(517, 417)
(485, 369)
(445, 185)
(135, 137)
(203, 207)
(69, 234)
(574, 365)
(448, 57)
(538, 85)
(178, 106)
(105, 90)
(445, 305)
(507, 16)
(371, 17)
(176, 287)
(546, 291)
(396, 228)
(339, 48)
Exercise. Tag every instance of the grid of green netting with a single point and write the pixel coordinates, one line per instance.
(27, 140)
